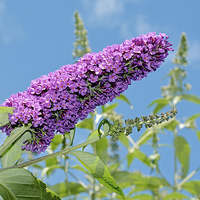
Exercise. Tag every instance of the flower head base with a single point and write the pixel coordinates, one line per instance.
(55, 103)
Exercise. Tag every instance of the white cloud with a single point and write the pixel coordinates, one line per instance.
(112, 14)
(9, 29)
(105, 9)
(104, 12)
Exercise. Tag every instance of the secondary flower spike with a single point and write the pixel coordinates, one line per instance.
(55, 102)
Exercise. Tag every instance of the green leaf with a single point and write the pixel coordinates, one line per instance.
(158, 108)
(124, 98)
(198, 134)
(98, 170)
(139, 155)
(149, 183)
(143, 197)
(192, 187)
(191, 98)
(106, 127)
(71, 137)
(182, 150)
(4, 115)
(175, 195)
(193, 117)
(56, 141)
(20, 184)
(86, 123)
(140, 182)
(15, 151)
(109, 108)
(126, 179)
(3, 119)
(123, 178)
(65, 189)
(15, 134)
(100, 148)
(190, 122)
(6, 109)
(160, 103)
(51, 161)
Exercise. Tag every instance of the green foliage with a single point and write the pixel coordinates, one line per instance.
(81, 46)
(4, 111)
(139, 155)
(109, 108)
(182, 150)
(14, 136)
(175, 195)
(142, 197)
(193, 188)
(86, 123)
(15, 151)
(124, 98)
(182, 52)
(56, 141)
(160, 104)
(106, 164)
(198, 134)
(98, 170)
(149, 121)
(101, 149)
(20, 184)
(191, 98)
(66, 189)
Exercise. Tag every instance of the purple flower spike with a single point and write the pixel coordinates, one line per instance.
(55, 102)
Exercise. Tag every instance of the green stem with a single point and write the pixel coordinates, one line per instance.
(66, 167)
(94, 191)
(175, 163)
(59, 153)
(93, 196)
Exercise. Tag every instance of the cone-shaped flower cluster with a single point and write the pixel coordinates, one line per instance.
(55, 102)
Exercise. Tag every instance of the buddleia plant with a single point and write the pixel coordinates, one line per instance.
(180, 58)
(176, 88)
(53, 104)
(81, 45)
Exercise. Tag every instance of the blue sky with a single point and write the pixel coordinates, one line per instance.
(37, 37)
